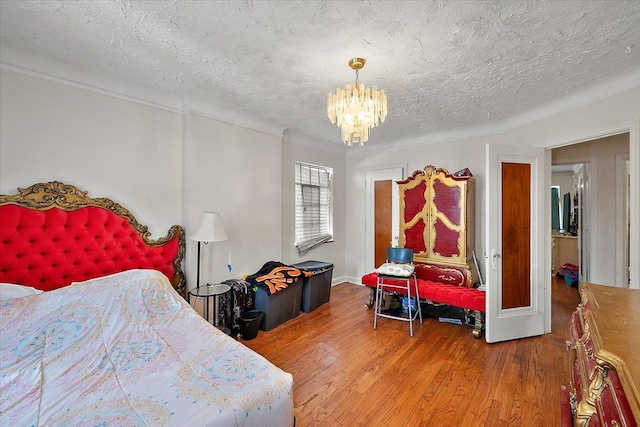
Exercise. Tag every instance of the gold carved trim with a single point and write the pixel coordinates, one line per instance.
(55, 194)
(604, 358)
(612, 361)
(572, 359)
(432, 170)
(587, 296)
(414, 177)
(587, 406)
(477, 330)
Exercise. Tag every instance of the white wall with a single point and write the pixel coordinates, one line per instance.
(166, 167)
(109, 147)
(237, 172)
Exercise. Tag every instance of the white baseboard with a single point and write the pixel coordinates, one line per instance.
(342, 279)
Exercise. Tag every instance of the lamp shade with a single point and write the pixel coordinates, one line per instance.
(210, 229)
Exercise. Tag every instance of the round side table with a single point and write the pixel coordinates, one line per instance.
(212, 291)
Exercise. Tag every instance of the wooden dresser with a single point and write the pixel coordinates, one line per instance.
(604, 357)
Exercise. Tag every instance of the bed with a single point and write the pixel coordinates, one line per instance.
(111, 340)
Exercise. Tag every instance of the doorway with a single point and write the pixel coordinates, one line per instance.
(387, 200)
(569, 244)
(603, 196)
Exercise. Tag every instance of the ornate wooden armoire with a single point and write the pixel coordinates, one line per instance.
(437, 221)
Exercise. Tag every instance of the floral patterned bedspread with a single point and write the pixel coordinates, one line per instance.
(127, 350)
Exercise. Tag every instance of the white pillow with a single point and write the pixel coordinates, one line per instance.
(10, 291)
(393, 269)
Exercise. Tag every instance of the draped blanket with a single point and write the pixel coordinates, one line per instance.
(275, 276)
(128, 350)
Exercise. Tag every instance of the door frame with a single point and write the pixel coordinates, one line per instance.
(622, 220)
(633, 128)
(587, 220)
(394, 173)
(590, 164)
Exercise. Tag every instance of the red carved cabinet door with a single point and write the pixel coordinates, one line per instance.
(437, 217)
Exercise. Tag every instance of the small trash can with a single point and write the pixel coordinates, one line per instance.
(250, 324)
(316, 289)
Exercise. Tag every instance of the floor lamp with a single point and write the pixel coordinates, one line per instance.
(210, 229)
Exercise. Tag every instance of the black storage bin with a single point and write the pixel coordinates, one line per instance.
(316, 289)
(279, 307)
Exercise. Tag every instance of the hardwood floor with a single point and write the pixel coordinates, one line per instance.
(347, 374)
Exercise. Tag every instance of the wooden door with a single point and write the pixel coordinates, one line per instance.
(382, 219)
(516, 234)
(387, 223)
(518, 271)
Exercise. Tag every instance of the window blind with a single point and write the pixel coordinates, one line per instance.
(313, 206)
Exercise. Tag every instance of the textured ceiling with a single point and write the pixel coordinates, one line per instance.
(450, 69)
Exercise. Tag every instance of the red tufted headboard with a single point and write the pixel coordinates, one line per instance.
(52, 234)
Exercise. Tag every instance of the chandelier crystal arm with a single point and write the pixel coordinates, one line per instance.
(356, 109)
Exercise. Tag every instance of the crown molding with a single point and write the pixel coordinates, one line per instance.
(88, 88)
(173, 106)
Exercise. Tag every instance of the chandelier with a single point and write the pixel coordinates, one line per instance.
(356, 109)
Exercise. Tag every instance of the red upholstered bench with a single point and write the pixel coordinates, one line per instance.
(444, 293)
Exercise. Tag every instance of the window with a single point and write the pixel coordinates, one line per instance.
(314, 213)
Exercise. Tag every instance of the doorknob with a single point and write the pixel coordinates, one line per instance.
(494, 259)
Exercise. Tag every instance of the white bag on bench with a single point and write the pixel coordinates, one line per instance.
(394, 269)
